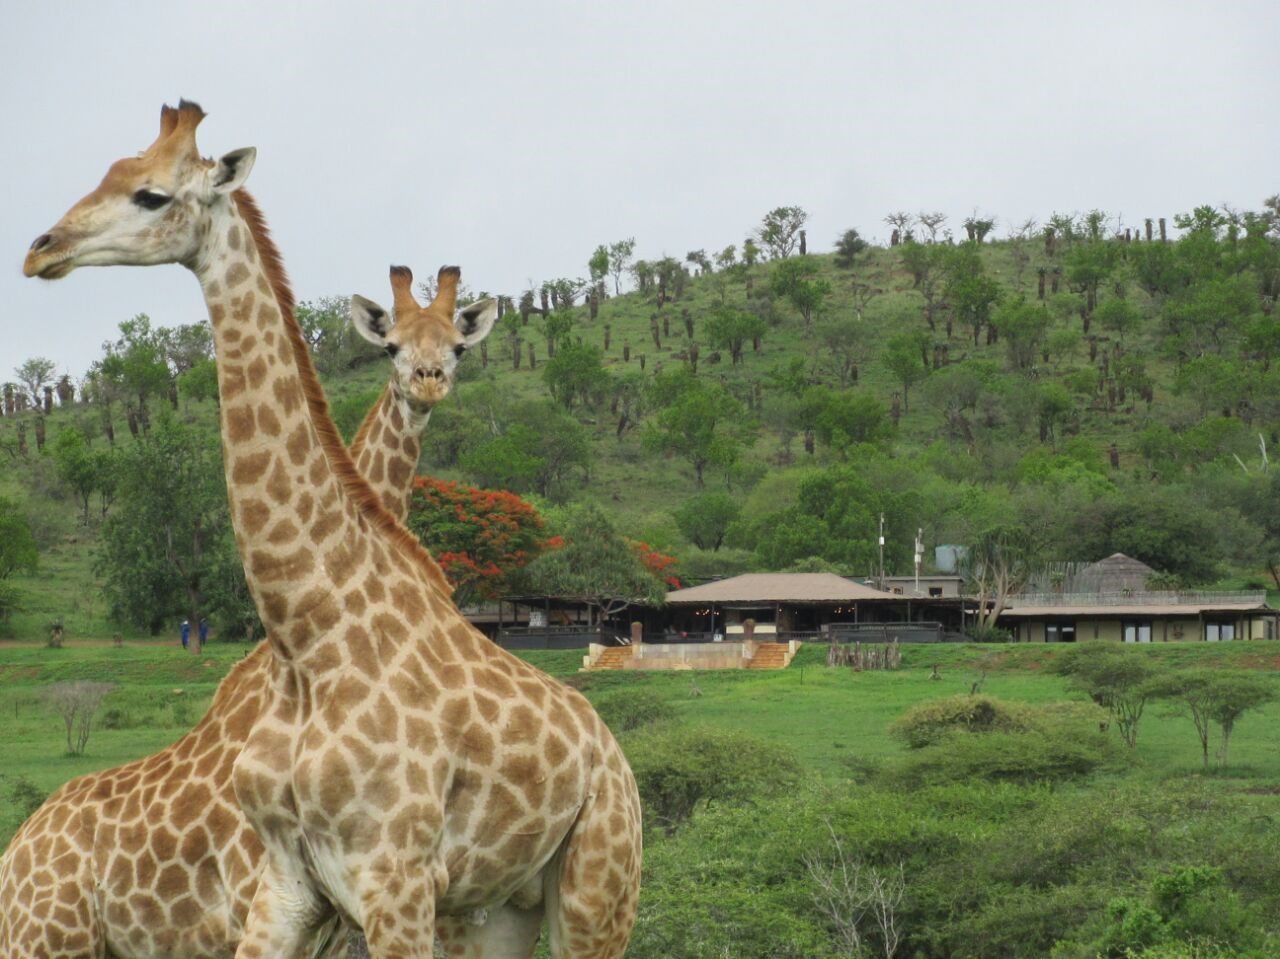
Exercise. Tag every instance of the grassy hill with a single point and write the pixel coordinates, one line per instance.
(968, 444)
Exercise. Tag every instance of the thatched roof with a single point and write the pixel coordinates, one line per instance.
(1114, 574)
(779, 588)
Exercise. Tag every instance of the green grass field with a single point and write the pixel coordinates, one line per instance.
(827, 718)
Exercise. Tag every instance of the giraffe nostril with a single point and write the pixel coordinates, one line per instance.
(40, 242)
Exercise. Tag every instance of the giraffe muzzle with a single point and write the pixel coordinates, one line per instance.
(47, 258)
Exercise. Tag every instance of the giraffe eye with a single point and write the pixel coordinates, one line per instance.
(459, 350)
(149, 200)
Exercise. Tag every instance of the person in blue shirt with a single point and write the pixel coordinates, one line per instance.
(186, 634)
(204, 632)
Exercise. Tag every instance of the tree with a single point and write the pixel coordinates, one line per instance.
(620, 260)
(598, 265)
(75, 704)
(1119, 679)
(576, 375)
(845, 337)
(902, 356)
(699, 259)
(842, 419)
(1206, 696)
(1231, 696)
(18, 552)
(730, 329)
(997, 563)
(797, 281)
(927, 265)
(77, 466)
(706, 518)
(595, 566)
(750, 252)
(536, 450)
(135, 364)
(1117, 315)
(848, 246)
(160, 545)
(33, 375)
(698, 421)
(1024, 327)
(932, 222)
(970, 292)
(779, 231)
(1053, 403)
(481, 538)
(200, 383)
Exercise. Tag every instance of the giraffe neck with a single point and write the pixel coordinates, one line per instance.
(305, 521)
(386, 451)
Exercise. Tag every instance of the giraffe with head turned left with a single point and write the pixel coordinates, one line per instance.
(405, 770)
(153, 859)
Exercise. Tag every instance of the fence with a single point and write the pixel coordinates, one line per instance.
(557, 637)
(922, 632)
(1227, 597)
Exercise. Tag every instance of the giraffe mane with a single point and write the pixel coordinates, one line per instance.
(339, 457)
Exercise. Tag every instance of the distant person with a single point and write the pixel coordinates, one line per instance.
(204, 632)
(186, 634)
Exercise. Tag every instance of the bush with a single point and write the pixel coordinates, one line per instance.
(1037, 755)
(26, 796)
(682, 768)
(115, 718)
(629, 709)
(929, 723)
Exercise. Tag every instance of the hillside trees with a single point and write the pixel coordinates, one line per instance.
(971, 293)
(998, 562)
(18, 552)
(536, 448)
(700, 422)
(798, 282)
(779, 231)
(705, 519)
(902, 357)
(575, 375)
(34, 374)
(848, 246)
(730, 329)
(83, 469)
(620, 254)
(161, 544)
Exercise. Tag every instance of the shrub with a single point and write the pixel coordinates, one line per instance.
(681, 768)
(75, 703)
(1037, 755)
(629, 709)
(930, 722)
(115, 718)
(26, 796)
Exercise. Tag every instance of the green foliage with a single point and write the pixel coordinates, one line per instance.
(18, 552)
(681, 769)
(629, 709)
(1119, 679)
(200, 382)
(164, 543)
(540, 450)
(903, 358)
(595, 565)
(1033, 756)
(730, 329)
(26, 796)
(779, 231)
(705, 519)
(796, 280)
(698, 421)
(931, 722)
(848, 246)
(575, 375)
(350, 411)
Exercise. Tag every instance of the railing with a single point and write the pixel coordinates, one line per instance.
(1232, 597)
(556, 637)
(918, 632)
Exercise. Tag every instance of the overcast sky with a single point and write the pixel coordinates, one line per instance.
(512, 138)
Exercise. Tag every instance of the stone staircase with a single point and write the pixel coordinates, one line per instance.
(771, 656)
(611, 657)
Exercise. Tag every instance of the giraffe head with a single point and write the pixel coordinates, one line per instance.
(424, 342)
(151, 208)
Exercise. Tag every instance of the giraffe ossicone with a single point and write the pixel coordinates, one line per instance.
(405, 769)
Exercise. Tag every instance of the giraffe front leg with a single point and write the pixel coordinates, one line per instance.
(397, 906)
(287, 920)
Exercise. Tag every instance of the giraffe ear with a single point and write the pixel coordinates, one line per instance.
(232, 170)
(371, 321)
(475, 321)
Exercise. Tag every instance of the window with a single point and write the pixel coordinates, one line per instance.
(1060, 632)
(935, 590)
(1219, 631)
(1137, 632)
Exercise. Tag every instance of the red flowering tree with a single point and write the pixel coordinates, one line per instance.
(659, 564)
(479, 537)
